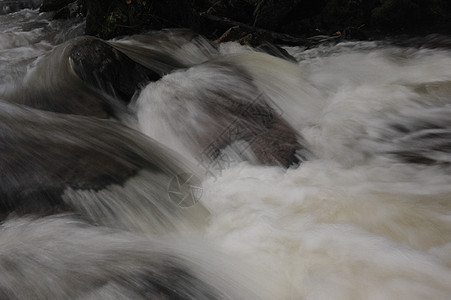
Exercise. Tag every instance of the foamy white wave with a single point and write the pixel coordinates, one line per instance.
(287, 85)
(61, 257)
(337, 233)
(175, 45)
(366, 89)
(22, 42)
(356, 223)
(367, 218)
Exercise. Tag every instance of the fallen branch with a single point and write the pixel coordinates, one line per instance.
(276, 37)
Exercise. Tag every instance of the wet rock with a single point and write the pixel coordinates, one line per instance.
(223, 111)
(84, 76)
(53, 162)
(103, 67)
(272, 140)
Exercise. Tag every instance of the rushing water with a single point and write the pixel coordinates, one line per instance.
(366, 216)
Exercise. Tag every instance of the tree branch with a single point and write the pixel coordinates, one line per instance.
(276, 37)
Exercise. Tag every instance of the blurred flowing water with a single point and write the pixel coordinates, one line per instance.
(367, 216)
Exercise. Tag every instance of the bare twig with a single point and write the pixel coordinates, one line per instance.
(277, 37)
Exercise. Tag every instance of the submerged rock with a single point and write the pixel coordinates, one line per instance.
(213, 107)
(54, 162)
(422, 138)
(272, 140)
(94, 262)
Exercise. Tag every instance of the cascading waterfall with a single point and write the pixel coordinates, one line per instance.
(362, 211)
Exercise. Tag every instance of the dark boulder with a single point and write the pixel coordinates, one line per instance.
(84, 76)
(103, 67)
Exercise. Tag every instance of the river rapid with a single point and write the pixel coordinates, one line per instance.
(365, 215)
